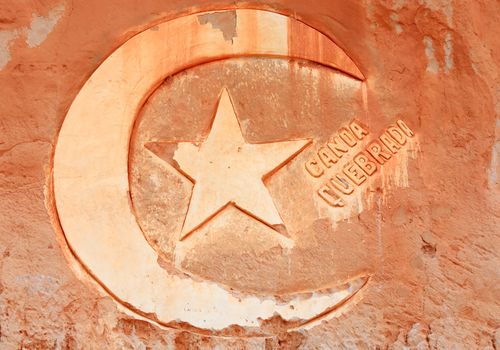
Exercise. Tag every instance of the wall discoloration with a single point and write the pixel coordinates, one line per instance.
(397, 26)
(37, 31)
(432, 64)
(224, 21)
(41, 27)
(495, 156)
(6, 38)
(435, 280)
(443, 6)
(448, 52)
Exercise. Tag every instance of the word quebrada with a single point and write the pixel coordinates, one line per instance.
(363, 165)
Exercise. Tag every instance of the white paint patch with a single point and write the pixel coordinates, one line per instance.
(448, 52)
(340, 83)
(432, 64)
(39, 284)
(401, 176)
(397, 26)
(41, 27)
(444, 6)
(6, 38)
(397, 176)
(394, 174)
(398, 4)
(495, 154)
(333, 314)
(364, 96)
(378, 221)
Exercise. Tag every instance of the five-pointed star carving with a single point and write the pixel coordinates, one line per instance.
(226, 170)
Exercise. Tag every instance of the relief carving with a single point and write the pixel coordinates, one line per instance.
(210, 210)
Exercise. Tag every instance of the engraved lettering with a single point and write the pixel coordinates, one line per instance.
(355, 173)
(376, 151)
(397, 134)
(366, 164)
(402, 125)
(348, 137)
(329, 196)
(389, 142)
(327, 157)
(341, 184)
(358, 130)
(314, 168)
(338, 146)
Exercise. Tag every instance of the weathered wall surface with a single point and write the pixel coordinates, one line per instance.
(433, 63)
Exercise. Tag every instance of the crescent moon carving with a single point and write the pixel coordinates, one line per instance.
(90, 172)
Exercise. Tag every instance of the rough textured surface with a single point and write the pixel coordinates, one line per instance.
(251, 256)
(432, 63)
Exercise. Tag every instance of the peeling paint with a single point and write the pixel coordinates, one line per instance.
(407, 303)
(399, 4)
(41, 27)
(224, 21)
(444, 6)
(495, 154)
(448, 52)
(6, 38)
(397, 25)
(432, 64)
